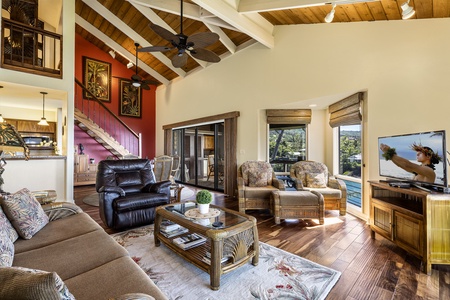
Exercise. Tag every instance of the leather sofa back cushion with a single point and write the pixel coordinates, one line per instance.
(128, 178)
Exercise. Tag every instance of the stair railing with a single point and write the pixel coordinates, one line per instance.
(107, 120)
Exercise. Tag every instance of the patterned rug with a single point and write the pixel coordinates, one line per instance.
(279, 274)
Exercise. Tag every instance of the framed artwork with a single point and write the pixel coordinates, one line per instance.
(130, 99)
(97, 78)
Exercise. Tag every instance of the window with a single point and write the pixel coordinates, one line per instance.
(287, 145)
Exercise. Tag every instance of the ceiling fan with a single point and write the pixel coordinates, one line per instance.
(136, 79)
(194, 44)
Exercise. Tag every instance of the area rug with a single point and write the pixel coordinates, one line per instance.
(279, 274)
(93, 199)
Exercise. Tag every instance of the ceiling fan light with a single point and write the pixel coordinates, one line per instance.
(408, 11)
(43, 122)
(136, 84)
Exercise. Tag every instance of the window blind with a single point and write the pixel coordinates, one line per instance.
(288, 116)
(347, 111)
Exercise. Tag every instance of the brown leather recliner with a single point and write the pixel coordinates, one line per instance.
(129, 193)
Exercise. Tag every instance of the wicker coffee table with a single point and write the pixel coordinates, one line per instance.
(232, 238)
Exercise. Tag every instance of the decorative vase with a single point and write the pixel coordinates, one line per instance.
(203, 208)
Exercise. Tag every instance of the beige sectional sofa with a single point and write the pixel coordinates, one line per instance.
(91, 264)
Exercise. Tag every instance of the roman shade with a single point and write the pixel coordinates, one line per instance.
(347, 111)
(288, 116)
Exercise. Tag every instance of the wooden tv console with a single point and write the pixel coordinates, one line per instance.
(415, 220)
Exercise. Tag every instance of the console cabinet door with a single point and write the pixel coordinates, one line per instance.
(408, 233)
(381, 220)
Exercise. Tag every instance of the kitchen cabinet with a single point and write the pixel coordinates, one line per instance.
(32, 126)
(413, 219)
(209, 142)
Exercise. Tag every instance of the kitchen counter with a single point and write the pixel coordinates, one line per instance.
(34, 157)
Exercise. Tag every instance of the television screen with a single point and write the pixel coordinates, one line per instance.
(418, 157)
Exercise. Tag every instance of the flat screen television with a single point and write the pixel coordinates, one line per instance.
(406, 146)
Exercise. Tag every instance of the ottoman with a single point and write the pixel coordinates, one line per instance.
(297, 205)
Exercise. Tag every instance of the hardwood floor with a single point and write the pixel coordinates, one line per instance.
(371, 268)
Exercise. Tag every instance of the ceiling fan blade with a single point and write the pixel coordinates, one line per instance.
(147, 81)
(164, 33)
(203, 39)
(178, 61)
(205, 55)
(136, 77)
(145, 87)
(155, 49)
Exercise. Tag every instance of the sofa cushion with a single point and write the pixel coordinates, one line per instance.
(7, 228)
(23, 283)
(25, 213)
(73, 256)
(59, 230)
(327, 193)
(124, 270)
(316, 180)
(257, 192)
(6, 250)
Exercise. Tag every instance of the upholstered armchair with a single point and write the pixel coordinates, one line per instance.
(314, 176)
(129, 193)
(256, 181)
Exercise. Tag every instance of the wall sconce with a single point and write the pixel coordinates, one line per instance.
(408, 11)
(43, 121)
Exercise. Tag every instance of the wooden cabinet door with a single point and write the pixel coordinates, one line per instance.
(209, 142)
(26, 126)
(408, 233)
(12, 122)
(381, 220)
(51, 128)
(81, 163)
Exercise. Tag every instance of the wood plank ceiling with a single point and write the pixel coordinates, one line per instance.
(117, 24)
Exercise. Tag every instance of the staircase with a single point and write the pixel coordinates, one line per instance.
(101, 136)
(94, 118)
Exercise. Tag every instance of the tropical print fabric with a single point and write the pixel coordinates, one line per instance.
(6, 250)
(7, 228)
(25, 213)
(256, 167)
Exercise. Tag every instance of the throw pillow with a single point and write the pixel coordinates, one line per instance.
(257, 179)
(6, 250)
(316, 180)
(23, 283)
(6, 227)
(25, 213)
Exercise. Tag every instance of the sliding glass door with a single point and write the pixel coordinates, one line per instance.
(201, 151)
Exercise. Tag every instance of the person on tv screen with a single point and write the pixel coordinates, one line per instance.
(425, 156)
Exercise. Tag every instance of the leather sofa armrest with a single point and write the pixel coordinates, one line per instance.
(59, 210)
(157, 187)
(112, 189)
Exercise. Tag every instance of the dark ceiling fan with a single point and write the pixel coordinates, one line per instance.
(193, 44)
(137, 80)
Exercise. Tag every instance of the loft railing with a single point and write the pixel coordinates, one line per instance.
(101, 115)
(31, 49)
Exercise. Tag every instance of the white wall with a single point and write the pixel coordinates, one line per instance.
(403, 66)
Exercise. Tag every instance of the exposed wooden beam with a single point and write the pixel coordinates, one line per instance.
(122, 51)
(119, 24)
(251, 6)
(243, 23)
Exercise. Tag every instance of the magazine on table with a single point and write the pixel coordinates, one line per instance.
(172, 233)
(207, 259)
(167, 226)
(189, 241)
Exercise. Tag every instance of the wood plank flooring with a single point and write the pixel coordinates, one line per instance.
(371, 268)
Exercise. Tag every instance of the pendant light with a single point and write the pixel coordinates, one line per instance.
(43, 121)
(407, 11)
(1, 117)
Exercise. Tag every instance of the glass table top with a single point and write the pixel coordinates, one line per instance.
(225, 219)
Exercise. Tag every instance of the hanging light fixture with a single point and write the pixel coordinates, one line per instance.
(1, 117)
(43, 121)
(407, 11)
(112, 53)
(330, 16)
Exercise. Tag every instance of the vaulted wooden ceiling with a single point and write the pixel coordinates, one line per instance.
(117, 24)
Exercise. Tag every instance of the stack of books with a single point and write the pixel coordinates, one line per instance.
(207, 258)
(189, 241)
(170, 229)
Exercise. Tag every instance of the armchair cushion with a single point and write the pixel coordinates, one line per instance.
(6, 250)
(316, 180)
(128, 178)
(25, 213)
(23, 283)
(257, 178)
(253, 167)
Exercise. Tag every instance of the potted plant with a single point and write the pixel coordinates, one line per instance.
(203, 198)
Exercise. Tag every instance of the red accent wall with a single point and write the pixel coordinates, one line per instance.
(144, 125)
